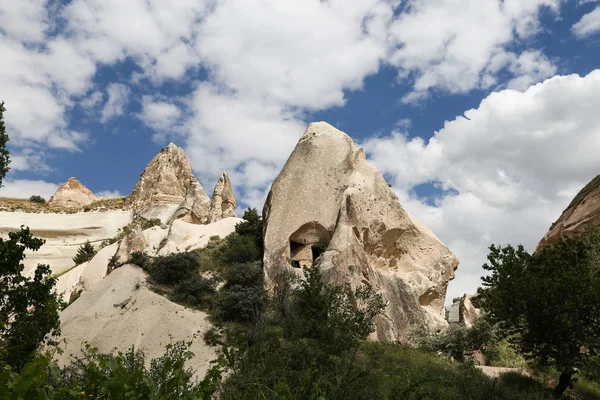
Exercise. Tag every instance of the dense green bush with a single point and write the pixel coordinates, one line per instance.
(37, 199)
(240, 249)
(104, 376)
(195, 291)
(242, 297)
(140, 259)
(174, 268)
(458, 339)
(28, 306)
(85, 253)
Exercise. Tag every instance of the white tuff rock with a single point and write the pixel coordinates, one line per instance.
(72, 194)
(328, 197)
(168, 189)
(223, 200)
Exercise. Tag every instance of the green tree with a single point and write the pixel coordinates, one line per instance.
(85, 253)
(4, 156)
(547, 303)
(28, 306)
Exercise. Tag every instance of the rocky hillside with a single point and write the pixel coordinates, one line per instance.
(583, 210)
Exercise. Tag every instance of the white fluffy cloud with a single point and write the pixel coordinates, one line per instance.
(159, 115)
(110, 194)
(23, 188)
(513, 165)
(588, 25)
(460, 45)
(118, 98)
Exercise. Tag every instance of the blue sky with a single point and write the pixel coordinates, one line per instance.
(482, 114)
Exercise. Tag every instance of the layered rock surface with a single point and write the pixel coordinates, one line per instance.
(462, 311)
(72, 194)
(168, 189)
(583, 211)
(328, 199)
(223, 203)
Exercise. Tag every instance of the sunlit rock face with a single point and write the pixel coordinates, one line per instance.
(330, 209)
(72, 194)
(583, 211)
(168, 189)
(223, 202)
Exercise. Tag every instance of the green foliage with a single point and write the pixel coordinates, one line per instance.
(85, 253)
(252, 226)
(547, 303)
(195, 291)
(37, 199)
(242, 297)
(240, 249)
(502, 354)
(211, 257)
(457, 340)
(174, 268)
(305, 346)
(28, 306)
(122, 232)
(4, 156)
(140, 259)
(105, 376)
(389, 371)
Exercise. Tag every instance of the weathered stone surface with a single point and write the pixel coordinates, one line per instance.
(168, 189)
(329, 198)
(583, 211)
(132, 242)
(462, 311)
(72, 194)
(223, 200)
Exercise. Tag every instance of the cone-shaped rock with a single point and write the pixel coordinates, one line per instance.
(331, 209)
(72, 194)
(168, 189)
(584, 210)
(223, 201)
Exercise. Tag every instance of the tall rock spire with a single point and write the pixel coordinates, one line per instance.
(168, 189)
(223, 200)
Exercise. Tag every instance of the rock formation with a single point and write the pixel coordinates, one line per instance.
(584, 210)
(462, 311)
(72, 194)
(331, 209)
(223, 201)
(132, 242)
(168, 189)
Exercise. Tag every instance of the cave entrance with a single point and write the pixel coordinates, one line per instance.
(307, 243)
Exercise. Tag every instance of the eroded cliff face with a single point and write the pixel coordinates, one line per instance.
(168, 189)
(330, 209)
(583, 211)
(72, 193)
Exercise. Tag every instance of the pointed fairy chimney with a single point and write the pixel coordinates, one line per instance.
(223, 201)
(168, 189)
(72, 194)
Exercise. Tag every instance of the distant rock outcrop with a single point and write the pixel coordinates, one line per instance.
(584, 210)
(462, 311)
(132, 242)
(223, 200)
(331, 209)
(168, 189)
(72, 194)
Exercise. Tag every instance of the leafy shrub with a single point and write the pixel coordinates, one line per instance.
(247, 274)
(457, 339)
(251, 226)
(84, 253)
(241, 304)
(106, 376)
(211, 257)
(240, 249)
(174, 268)
(195, 291)
(37, 199)
(140, 259)
(502, 354)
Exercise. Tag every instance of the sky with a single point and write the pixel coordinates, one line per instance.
(482, 114)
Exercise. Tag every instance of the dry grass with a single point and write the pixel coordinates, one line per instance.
(24, 205)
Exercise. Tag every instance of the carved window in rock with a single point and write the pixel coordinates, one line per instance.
(307, 243)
